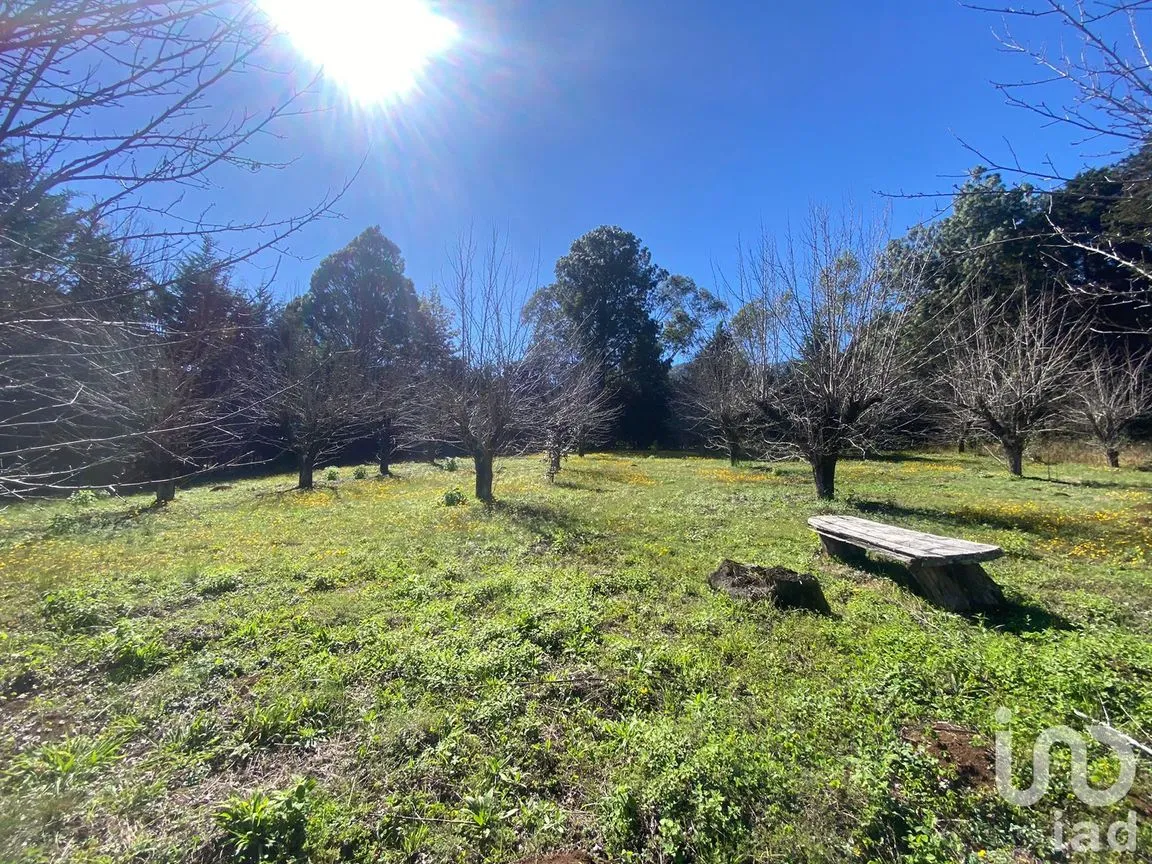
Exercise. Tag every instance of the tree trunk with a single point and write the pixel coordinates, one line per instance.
(553, 464)
(733, 452)
(387, 444)
(1113, 455)
(483, 463)
(1014, 451)
(824, 473)
(307, 462)
(165, 491)
(961, 445)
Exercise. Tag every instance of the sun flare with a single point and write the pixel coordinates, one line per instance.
(375, 50)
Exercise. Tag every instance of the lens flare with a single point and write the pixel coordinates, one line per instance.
(375, 50)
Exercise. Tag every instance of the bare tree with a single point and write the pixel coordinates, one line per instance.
(139, 405)
(504, 391)
(312, 400)
(109, 111)
(56, 426)
(576, 409)
(1111, 391)
(186, 430)
(397, 388)
(490, 391)
(113, 99)
(711, 394)
(1010, 369)
(1106, 77)
(360, 299)
(821, 329)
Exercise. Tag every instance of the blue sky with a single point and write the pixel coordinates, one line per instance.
(689, 123)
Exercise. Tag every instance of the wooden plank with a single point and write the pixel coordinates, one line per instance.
(902, 543)
(957, 587)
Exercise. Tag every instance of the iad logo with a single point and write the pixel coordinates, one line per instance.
(1040, 762)
(1086, 835)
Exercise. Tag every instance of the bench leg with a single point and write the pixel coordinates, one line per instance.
(839, 549)
(957, 587)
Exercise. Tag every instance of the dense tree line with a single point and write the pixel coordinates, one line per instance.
(837, 340)
(194, 374)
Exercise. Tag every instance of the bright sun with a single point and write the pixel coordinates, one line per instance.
(374, 49)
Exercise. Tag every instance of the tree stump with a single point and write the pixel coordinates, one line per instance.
(784, 588)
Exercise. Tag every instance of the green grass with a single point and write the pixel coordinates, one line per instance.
(364, 673)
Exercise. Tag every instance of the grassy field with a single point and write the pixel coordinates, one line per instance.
(366, 673)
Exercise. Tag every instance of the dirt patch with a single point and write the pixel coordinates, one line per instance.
(1143, 514)
(21, 684)
(952, 745)
(786, 588)
(558, 858)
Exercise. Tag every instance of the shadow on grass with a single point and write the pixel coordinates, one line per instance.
(601, 477)
(1090, 484)
(543, 519)
(797, 472)
(566, 483)
(1013, 617)
(73, 523)
(655, 454)
(1022, 617)
(898, 458)
(572, 475)
(967, 517)
(325, 486)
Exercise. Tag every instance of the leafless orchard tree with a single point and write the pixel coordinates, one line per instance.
(137, 404)
(1112, 390)
(186, 430)
(54, 428)
(397, 391)
(116, 104)
(1103, 67)
(490, 391)
(1009, 370)
(821, 329)
(711, 395)
(576, 409)
(504, 391)
(311, 401)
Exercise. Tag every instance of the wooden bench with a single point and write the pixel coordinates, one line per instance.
(946, 570)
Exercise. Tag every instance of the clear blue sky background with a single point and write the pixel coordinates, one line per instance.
(689, 123)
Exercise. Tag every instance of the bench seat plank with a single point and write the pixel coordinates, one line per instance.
(901, 543)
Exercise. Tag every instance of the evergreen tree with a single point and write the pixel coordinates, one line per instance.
(602, 304)
(361, 301)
